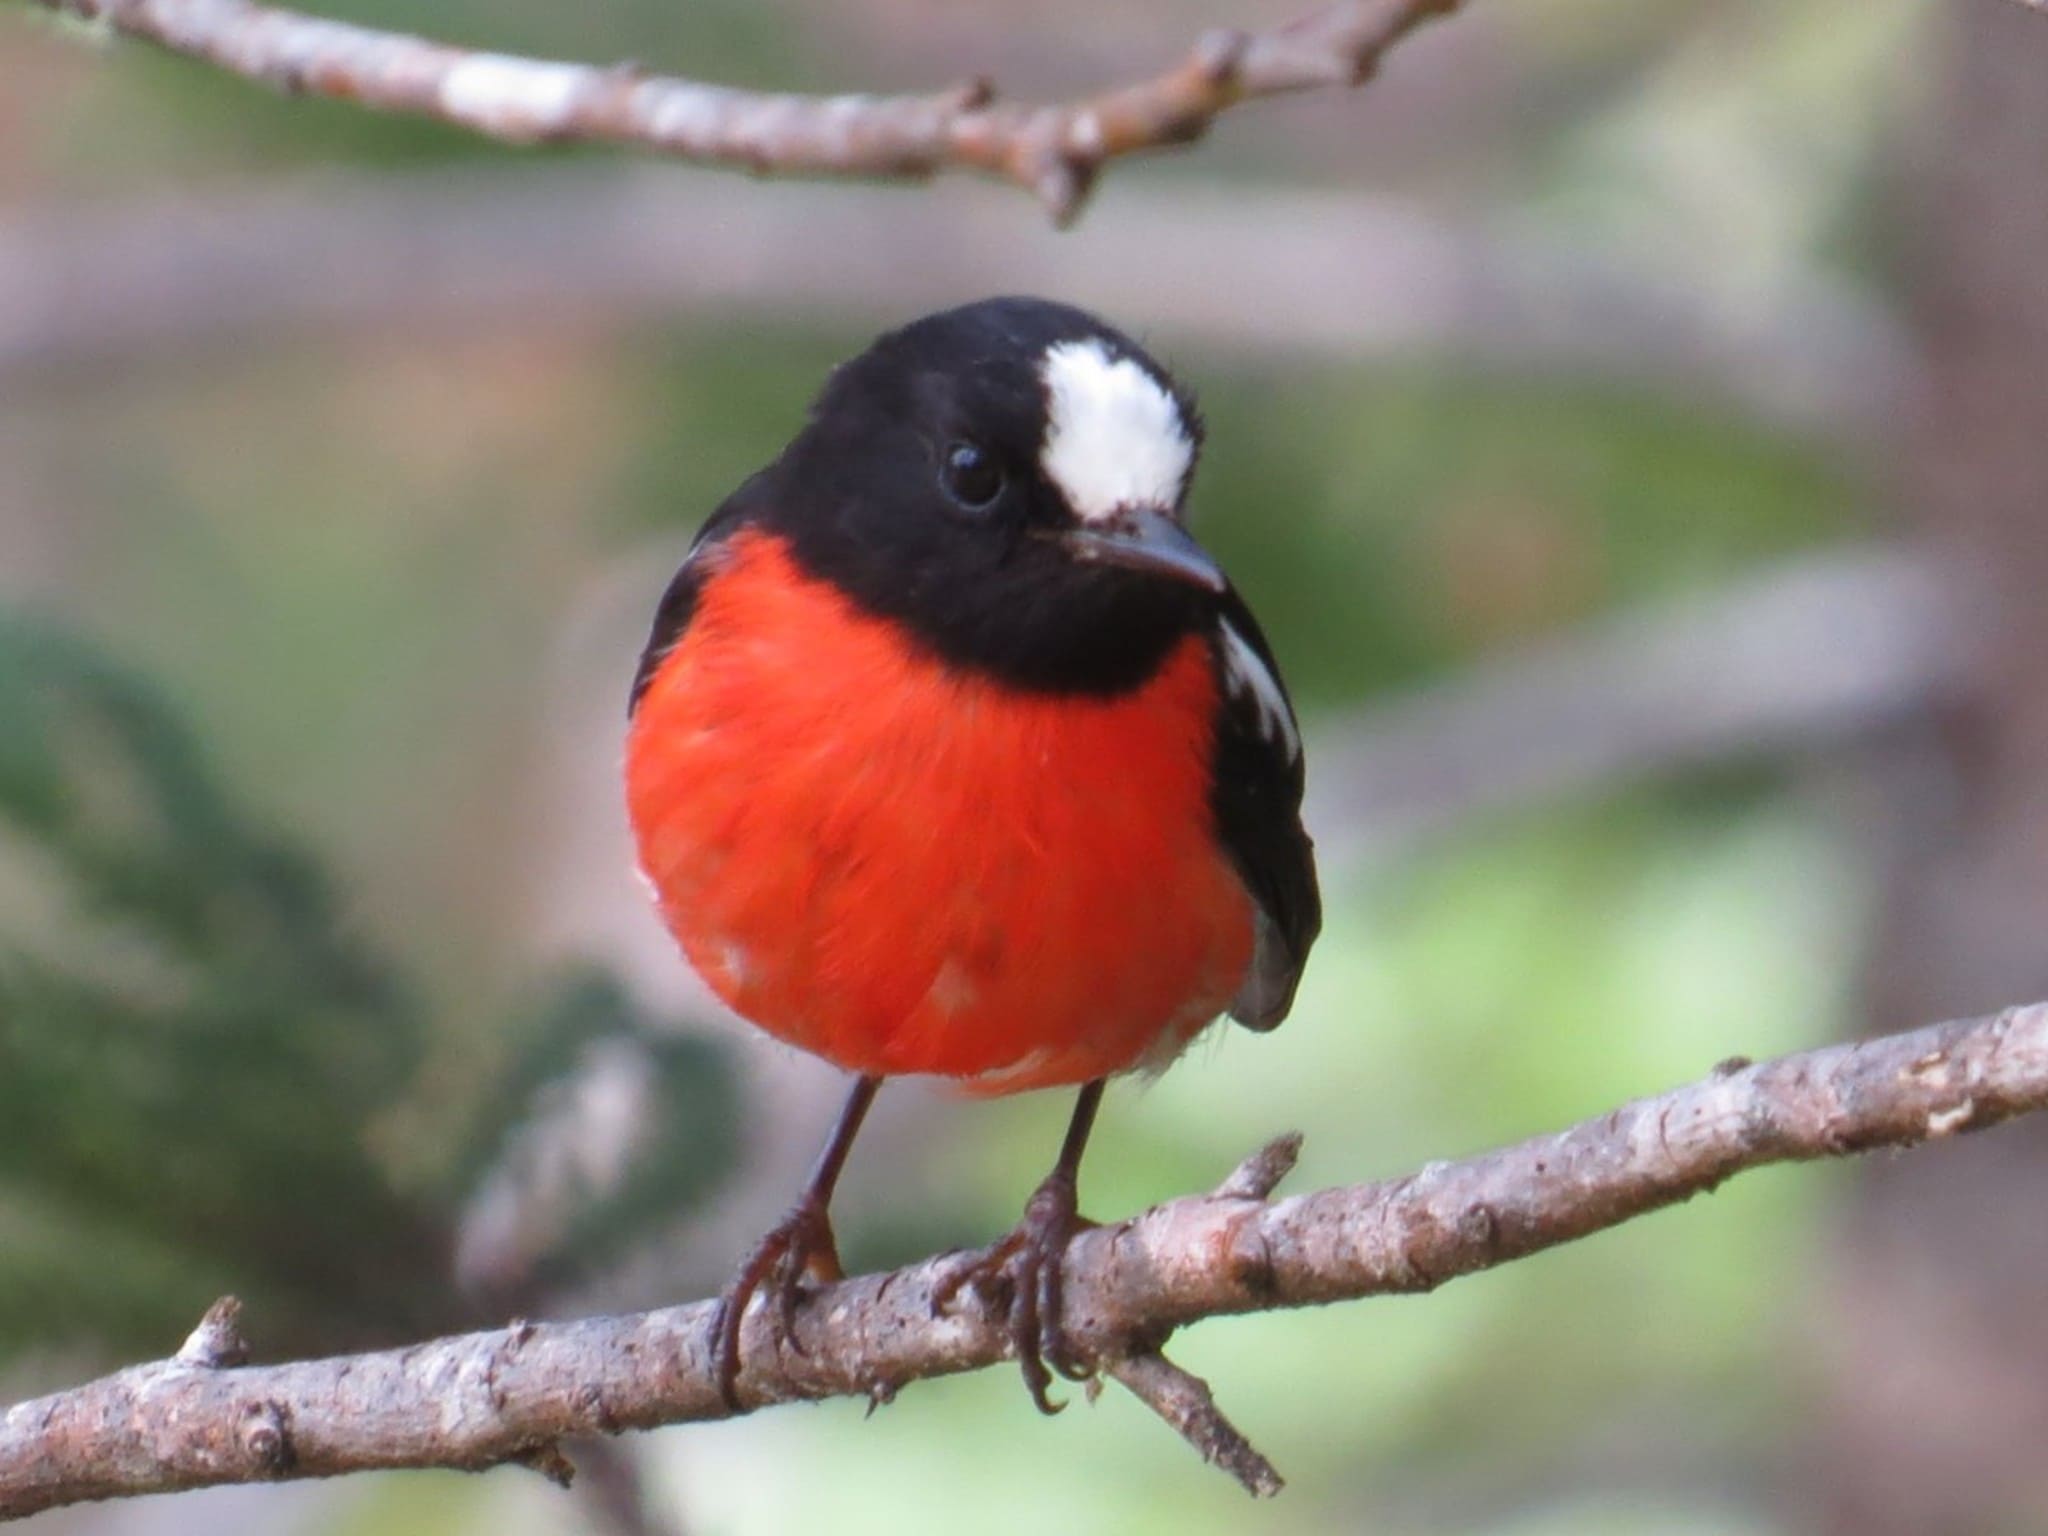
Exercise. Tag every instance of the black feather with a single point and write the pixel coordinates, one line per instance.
(1257, 801)
(679, 603)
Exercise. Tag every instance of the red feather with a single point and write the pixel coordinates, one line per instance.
(905, 868)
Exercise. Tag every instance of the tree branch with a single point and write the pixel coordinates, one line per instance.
(1055, 151)
(1341, 275)
(1808, 654)
(484, 1399)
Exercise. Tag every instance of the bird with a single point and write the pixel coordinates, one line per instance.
(951, 753)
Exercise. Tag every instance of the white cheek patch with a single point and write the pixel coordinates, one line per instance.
(1114, 435)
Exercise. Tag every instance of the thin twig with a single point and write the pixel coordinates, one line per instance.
(1185, 1402)
(514, 1394)
(1055, 151)
(1263, 1172)
(217, 1343)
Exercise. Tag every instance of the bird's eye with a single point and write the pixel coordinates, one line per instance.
(969, 474)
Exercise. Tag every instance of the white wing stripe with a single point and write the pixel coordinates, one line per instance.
(1246, 675)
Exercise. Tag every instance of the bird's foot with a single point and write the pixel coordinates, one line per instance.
(799, 1247)
(1021, 1273)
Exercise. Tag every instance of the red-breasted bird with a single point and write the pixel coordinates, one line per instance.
(952, 754)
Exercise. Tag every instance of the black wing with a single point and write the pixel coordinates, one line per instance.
(1257, 801)
(679, 602)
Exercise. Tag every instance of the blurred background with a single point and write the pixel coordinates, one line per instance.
(1627, 417)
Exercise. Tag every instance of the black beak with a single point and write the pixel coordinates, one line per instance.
(1146, 539)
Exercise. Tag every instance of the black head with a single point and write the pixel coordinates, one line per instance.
(1007, 479)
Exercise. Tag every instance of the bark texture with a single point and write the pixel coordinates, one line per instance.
(1054, 151)
(514, 1394)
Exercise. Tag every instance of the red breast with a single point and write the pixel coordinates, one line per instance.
(905, 867)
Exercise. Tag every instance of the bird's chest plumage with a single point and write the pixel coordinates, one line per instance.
(907, 868)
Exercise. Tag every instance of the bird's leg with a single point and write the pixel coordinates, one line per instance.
(1023, 1269)
(800, 1244)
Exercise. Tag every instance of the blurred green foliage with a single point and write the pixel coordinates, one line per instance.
(147, 1085)
(196, 1054)
(594, 1088)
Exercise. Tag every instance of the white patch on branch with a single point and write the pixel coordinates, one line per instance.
(523, 98)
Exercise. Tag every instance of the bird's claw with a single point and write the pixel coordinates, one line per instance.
(1022, 1272)
(799, 1246)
